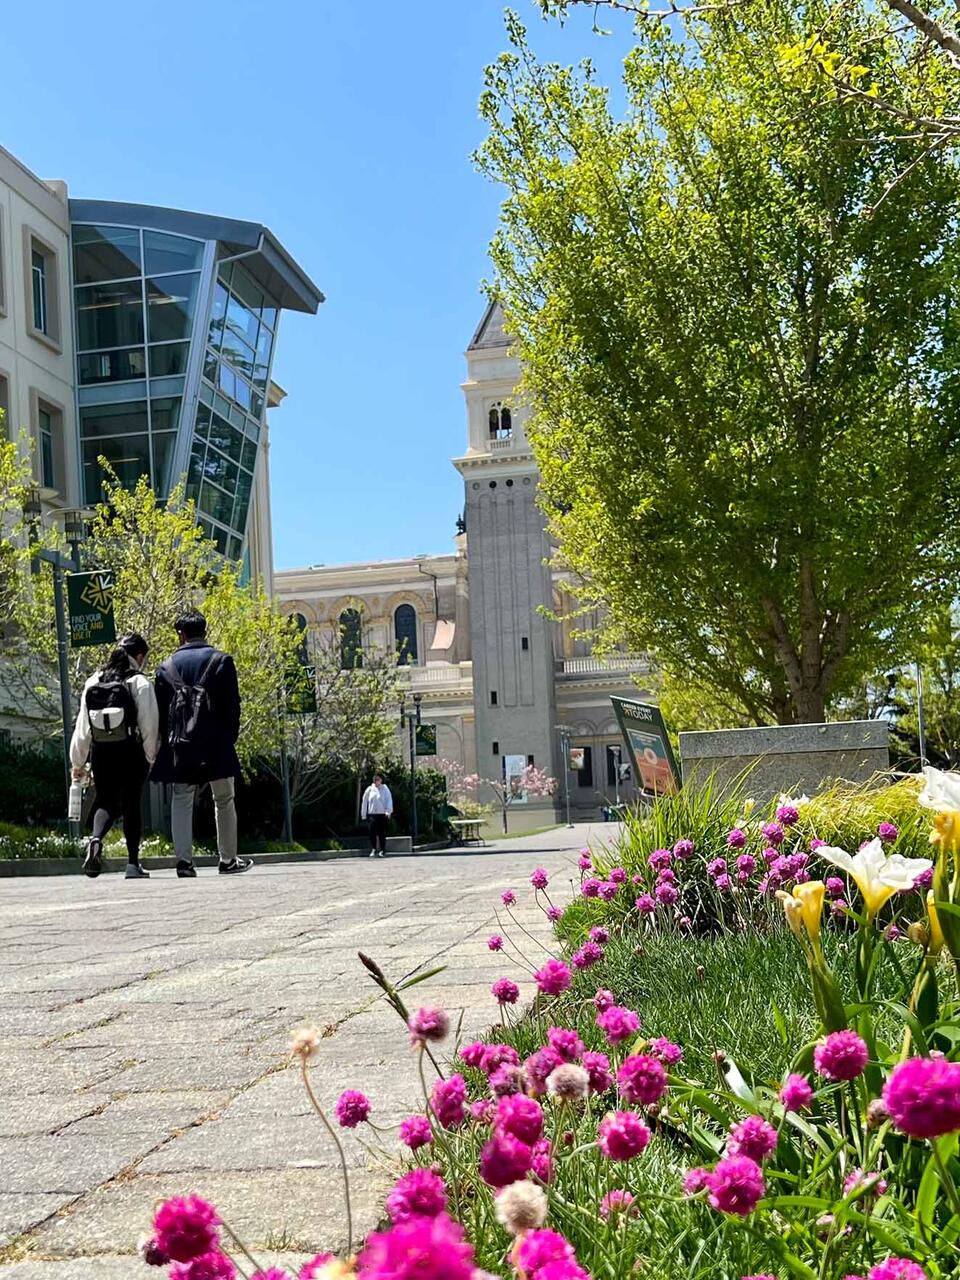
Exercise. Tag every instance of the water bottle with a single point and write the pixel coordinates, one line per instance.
(75, 803)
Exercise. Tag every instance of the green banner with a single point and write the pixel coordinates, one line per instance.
(302, 691)
(426, 739)
(648, 746)
(90, 608)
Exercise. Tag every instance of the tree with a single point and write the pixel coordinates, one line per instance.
(740, 350)
(515, 788)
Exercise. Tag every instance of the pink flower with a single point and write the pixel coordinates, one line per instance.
(924, 880)
(666, 894)
(554, 914)
(597, 1067)
(539, 1066)
(736, 1185)
(508, 897)
(553, 978)
(736, 838)
(542, 1164)
(590, 888)
(716, 867)
(352, 1108)
(521, 1117)
(842, 1055)
(666, 876)
(615, 1203)
(668, 1052)
(588, 955)
(419, 1193)
(310, 1270)
(609, 890)
(897, 1269)
(483, 1110)
(415, 1132)
(208, 1266)
(507, 1079)
(752, 1136)
(618, 1024)
(694, 1181)
(887, 832)
(923, 1097)
(723, 883)
(772, 832)
(646, 904)
(505, 1159)
(418, 1249)
(642, 1079)
(770, 855)
(539, 1248)
(746, 864)
(622, 1135)
(583, 862)
(150, 1252)
(788, 815)
(505, 991)
(637, 879)
(835, 886)
(604, 999)
(448, 1101)
(495, 942)
(660, 858)
(540, 879)
(566, 1042)
(871, 1183)
(617, 875)
(497, 1055)
(429, 1024)
(186, 1227)
(816, 843)
(600, 935)
(472, 1054)
(683, 849)
(796, 1093)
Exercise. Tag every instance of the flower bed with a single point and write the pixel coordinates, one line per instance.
(33, 842)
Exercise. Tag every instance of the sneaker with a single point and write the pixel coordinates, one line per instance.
(373, 853)
(134, 871)
(235, 867)
(93, 862)
(186, 870)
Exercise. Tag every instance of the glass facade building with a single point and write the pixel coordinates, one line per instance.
(176, 318)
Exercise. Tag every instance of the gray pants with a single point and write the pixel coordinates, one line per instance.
(181, 818)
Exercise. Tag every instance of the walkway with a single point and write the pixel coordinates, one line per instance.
(143, 1030)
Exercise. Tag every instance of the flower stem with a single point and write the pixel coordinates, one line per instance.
(946, 1177)
(339, 1145)
(240, 1245)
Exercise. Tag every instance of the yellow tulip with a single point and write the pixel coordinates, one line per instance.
(946, 831)
(810, 897)
(936, 942)
(793, 910)
(878, 876)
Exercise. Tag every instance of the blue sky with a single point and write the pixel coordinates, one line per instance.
(347, 128)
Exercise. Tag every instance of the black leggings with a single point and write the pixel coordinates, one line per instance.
(119, 773)
(378, 832)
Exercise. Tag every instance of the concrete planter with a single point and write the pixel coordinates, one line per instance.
(792, 758)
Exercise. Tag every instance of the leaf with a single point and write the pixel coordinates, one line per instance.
(738, 1086)
(420, 977)
(779, 1022)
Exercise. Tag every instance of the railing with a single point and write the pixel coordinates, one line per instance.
(505, 443)
(608, 665)
(452, 674)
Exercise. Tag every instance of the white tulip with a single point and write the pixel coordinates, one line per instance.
(878, 876)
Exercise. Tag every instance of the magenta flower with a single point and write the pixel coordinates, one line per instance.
(521, 1117)
(646, 904)
(472, 1054)
(542, 1166)
(600, 935)
(723, 883)
(352, 1108)
(508, 897)
(666, 894)
(683, 849)
(505, 1159)
(796, 1093)
(538, 1249)
(924, 880)
(666, 876)
(695, 1181)
(746, 864)
(735, 1185)
(448, 1101)
(310, 1270)
(772, 832)
(540, 879)
(835, 886)
(616, 1203)
(495, 942)
(483, 1110)
(871, 1183)
(642, 1079)
(553, 979)
(736, 838)
(587, 956)
(842, 1055)
(208, 1266)
(419, 1193)
(597, 1067)
(618, 1024)
(788, 815)
(752, 1136)
(583, 862)
(415, 1132)
(554, 914)
(838, 907)
(498, 1055)
(770, 855)
(622, 1135)
(637, 879)
(716, 867)
(816, 843)
(418, 1249)
(617, 875)
(667, 1052)
(507, 1079)
(659, 859)
(566, 1042)
(887, 832)
(185, 1228)
(897, 1269)
(603, 999)
(505, 991)
(923, 1097)
(429, 1024)
(539, 1066)
(609, 890)
(590, 888)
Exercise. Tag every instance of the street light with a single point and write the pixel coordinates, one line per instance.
(565, 731)
(412, 721)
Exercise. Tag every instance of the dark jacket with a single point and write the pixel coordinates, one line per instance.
(190, 660)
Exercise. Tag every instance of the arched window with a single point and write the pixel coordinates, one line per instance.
(405, 633)
(304, 651)
(351, 640)
(500, 422)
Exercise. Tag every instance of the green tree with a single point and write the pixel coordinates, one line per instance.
(736, 321)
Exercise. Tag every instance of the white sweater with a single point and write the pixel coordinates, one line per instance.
(148, 720)
(376, 800)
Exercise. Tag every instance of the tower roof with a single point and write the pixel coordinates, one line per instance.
(490, 329)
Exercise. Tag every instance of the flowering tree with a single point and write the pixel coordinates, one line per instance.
(508, 791)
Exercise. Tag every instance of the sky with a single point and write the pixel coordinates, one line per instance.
(346, 127)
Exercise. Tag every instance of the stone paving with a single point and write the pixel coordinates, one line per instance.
(143, 1033)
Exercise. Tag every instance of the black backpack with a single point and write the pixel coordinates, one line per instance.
(111, 709)
(191, 727)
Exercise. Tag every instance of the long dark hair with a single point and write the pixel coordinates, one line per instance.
(129, 646)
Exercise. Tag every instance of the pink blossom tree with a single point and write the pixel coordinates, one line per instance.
(507, 791)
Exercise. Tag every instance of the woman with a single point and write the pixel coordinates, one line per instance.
(117, 731)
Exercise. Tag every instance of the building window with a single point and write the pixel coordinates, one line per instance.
(42, 300)
(500, 422)
(351, 640)
(6, 432)
(529, 762)
(303, 652)
(496, 748)
(39, 278)
(524, 643)
(45, 450)
(493, 697)
(585, 775)
(405, 634)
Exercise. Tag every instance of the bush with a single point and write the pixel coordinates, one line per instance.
(32, 789)
(31, 842)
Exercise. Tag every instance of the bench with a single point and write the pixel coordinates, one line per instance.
(468, 829)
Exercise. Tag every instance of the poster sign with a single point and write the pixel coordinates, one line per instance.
(426, 739)
(648, 746)
(302, 691)
(578, 758)
(90, 608)
(513, 771)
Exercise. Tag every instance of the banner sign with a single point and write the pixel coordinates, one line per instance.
(648, 746)
(426, 739)
(90, 608)
(514, 768)
(578, 758)
(302, 691)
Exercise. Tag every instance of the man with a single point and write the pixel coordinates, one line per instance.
(377, 808)
(199, 704)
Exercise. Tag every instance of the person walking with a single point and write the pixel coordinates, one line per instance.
(117, 735)
(377, 809)
(199, 704)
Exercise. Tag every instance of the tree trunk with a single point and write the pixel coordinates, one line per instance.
(504, 819)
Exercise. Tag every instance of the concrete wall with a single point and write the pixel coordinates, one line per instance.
(791, 758)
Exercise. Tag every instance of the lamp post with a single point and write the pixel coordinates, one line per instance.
(565, 731)
(618, 756)
(412, 721)
(921, 720)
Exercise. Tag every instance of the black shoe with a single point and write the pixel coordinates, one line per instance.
(186, 870)
(235, 867)
(93, 862)
(136, 872)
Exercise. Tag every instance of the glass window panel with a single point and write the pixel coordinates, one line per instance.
(256, 403)
(164, 253)
(105, 253)
(171, 301)
(227, 380)
(126, 418)
(215, 502)
(234, 547)
(210, 366)
(253, 429)
(225, 438)
(220, 471)
(269, 314)
(242, 321)
(238, 354)
(249, 457)
(242, 393)
(162, 444)
(262, 366)
(250, 294)
(195, 468)
(165, 413)
(129, 456)
(202, 424)
(111, 366)
(225, 273)
(206, 394)
(109, 315)
(169, 359)
(351, 640)
(405, 633)
(217, 316)
(45, 426)
(237, 418)
(244, 485)
(220, 405)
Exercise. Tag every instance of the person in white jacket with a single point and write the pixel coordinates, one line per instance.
(377, 808)
(118, 734)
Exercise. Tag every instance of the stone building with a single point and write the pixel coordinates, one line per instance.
(499, 678)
